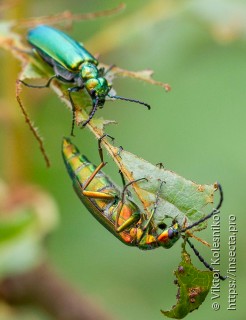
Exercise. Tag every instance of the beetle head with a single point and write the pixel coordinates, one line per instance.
(169, 236)
(98, 88)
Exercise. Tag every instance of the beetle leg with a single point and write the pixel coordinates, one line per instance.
(70, 90)
(99, 145)
(99, 167)
(129, 222)
(30, 124)
(123, 180)
(127, 186)
(95, 194)
(39, 87)
(98, 195)
(155, 207)
(122, 203)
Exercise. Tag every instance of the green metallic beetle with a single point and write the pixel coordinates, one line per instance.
(72, 63)
(116, 211)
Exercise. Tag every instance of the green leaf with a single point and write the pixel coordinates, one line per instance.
(180, 199)
(193, 287)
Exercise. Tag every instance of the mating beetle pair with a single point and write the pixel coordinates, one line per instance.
(72, 63)
(116, 211)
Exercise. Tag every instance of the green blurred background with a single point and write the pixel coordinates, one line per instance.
(196, 130)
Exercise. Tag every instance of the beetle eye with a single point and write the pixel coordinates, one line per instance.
(170, 234)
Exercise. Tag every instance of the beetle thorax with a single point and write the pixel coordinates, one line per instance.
(88, 71)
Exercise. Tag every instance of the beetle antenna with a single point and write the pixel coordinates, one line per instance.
(215, 211)
(131, 100)
(207, 265)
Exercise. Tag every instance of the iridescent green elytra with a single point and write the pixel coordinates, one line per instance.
(72, 63)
